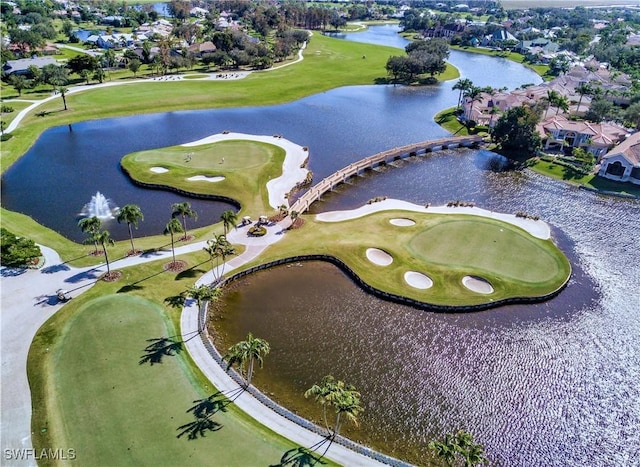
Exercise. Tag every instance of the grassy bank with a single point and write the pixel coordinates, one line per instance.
(328, 63)
(111, 392)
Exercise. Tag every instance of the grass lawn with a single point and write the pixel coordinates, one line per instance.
(246, 166)
(561, 172)
(444, 247)
(113, 409)
(328, 63)
(447, 120)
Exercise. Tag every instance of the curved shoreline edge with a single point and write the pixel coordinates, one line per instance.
(395, 297)
(294, 171)
(264, 410)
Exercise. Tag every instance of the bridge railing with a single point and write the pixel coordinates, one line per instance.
(340, 176)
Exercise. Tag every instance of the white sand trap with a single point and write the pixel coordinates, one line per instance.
(477, 285)
(402, 222)
(159, 170)
(379, 257)
(417, 280)
(204, 178)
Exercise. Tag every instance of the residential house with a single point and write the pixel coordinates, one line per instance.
(110, 41)
(206, 47)
(447, 31)
(21, 66)
(597, 138)
(622, 163)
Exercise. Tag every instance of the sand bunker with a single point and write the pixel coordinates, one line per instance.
(379, 257)
(417, 280)
(159, 170)
(402, 222)
(204, 178)
(477, 284)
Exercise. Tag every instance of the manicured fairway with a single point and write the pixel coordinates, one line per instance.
(114, 410)
(246, 166)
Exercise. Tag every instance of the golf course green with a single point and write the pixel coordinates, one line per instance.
(236, 169)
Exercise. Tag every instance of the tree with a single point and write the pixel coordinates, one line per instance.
(474, 94)
(91, 226)
(341, 396)
(600, 109)
(83, 62)
(86, 75)
(459, 450)
(247, 352)
(582, 89)
(183, 210)
(229, 219)
(632, 115)
(202, 294)
(131, 214)
(218, 249)
(551, 99)
(55, 75)
(464, 85)
(19, 82)
(98, 75)
(516, 130)
(63, 93)
(17, 251)
(104, 239)
(134, 66)
(173, 227)
(562, 103)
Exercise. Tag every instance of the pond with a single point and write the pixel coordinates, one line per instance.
(547, 384)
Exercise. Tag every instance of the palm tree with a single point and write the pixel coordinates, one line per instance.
(562, 103)
(63, 93)
(324, 394)
(474, 95)
(104, 239)
(183, 210)
(343, 397)
(171, 228)
(459, 449)
(463, 85)
(551, 98)
(130, 213)
(91, 226)
(348, 404)
(247, 352)
(229, 219)
(218, 248)
(582, 89)
(202, 294)
(284, 210)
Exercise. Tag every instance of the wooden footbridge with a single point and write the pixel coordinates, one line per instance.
(383, 158)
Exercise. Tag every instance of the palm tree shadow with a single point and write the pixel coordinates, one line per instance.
(299, 457)
(158, 349)
(202, 411)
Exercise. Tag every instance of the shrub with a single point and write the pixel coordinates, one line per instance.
(257, 231)
(5, 109)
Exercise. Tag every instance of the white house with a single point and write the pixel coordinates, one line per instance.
(622, 163)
